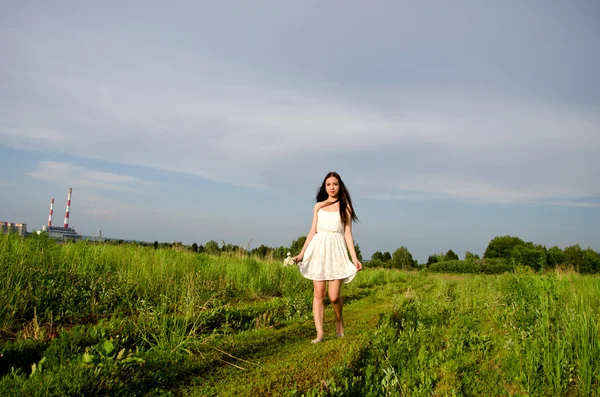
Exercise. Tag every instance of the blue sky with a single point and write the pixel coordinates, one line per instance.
(190, 121)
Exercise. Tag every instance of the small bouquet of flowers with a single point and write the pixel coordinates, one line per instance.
(289, 261)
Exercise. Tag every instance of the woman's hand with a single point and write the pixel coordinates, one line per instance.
(298, 258)
(357, 264)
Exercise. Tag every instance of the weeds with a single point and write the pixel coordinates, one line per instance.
(81, 319)
(514, 334)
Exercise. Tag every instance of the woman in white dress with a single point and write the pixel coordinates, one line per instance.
(324, 257)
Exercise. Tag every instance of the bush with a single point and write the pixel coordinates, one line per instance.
(502, 247)
(375, 263)
(402, 259)
(482, 266)
(451, 255)
(530, 255)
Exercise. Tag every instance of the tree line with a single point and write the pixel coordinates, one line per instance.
(262, 251)
(212, 247)
(503, 253)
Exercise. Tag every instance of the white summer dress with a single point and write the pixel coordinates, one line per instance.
(326, 257)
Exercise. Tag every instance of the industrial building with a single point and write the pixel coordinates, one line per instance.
(10, 227)
(58, 232)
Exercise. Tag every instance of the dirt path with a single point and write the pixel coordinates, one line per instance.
(292, 362)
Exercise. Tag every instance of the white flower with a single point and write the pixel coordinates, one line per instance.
(289, 261)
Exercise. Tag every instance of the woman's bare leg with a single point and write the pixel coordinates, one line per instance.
(338, 304)
(318, 307)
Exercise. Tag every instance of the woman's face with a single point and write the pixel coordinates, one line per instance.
(333, 186)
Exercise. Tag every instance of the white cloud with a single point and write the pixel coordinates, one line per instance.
(471, 190)
(253, 136)
(58, 172)
(195, 110)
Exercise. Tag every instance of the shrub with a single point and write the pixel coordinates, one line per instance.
(482, 266)
(502, 247)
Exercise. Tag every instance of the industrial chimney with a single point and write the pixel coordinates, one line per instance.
(68, 209)
(51, 211)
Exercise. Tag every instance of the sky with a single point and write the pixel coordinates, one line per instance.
(450, 123)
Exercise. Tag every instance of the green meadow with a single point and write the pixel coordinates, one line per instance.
(127, 320)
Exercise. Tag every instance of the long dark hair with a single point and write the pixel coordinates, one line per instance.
(343, 197)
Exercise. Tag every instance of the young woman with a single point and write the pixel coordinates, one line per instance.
(324, 257)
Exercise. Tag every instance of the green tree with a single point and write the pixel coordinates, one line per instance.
(155, 245)
(387, 256)
(501, 247)
(297, 245)
(441, 257)
(530, 255)
(573, 256)
(212, 247)
(402, 259)
(261, 251)
(228, 247)
(195, 247)
(432, 259)
(281, 252)
(471, 257)
(451, 256)
(584, 261)
(590, 262)
(377, 256)
(358, 252)
(556, 256)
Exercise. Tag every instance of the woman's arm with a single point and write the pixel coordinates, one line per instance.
(350, 241)
(311, 233)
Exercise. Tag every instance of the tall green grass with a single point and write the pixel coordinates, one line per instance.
(128, 320)
(485, 335)
(83, 318)
(83, 282)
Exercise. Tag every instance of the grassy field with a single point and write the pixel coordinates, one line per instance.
(85, 319)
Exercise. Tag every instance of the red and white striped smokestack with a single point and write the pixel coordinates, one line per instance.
(68, 208)
(51, 211)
